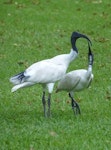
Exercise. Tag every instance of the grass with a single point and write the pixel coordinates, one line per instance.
(34, 30)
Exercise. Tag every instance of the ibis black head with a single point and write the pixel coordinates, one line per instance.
(75, 36)
(90, 55)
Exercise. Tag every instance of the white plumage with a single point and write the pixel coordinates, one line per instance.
(47, 72)
(76, 81)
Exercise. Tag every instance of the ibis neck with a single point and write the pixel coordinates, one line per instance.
(72, 55)
(73, 42)
(90, 64)
(68, 58)
(89, 71)
(90, 68)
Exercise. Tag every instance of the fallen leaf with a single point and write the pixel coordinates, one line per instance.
(53, 133)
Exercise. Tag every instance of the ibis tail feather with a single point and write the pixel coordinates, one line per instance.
(22, 85)
(17, 79)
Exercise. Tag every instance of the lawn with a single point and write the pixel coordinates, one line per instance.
(34, 30)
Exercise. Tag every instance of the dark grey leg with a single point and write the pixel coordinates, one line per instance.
(75, 105)
(44, 104)
(49, 98)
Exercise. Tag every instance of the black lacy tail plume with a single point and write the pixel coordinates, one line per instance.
(17, 79)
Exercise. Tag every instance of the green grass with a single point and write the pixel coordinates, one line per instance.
(34, 30)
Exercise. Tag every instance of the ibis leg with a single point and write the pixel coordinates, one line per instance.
(44, 104)
(75, 105)
(49, 103)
